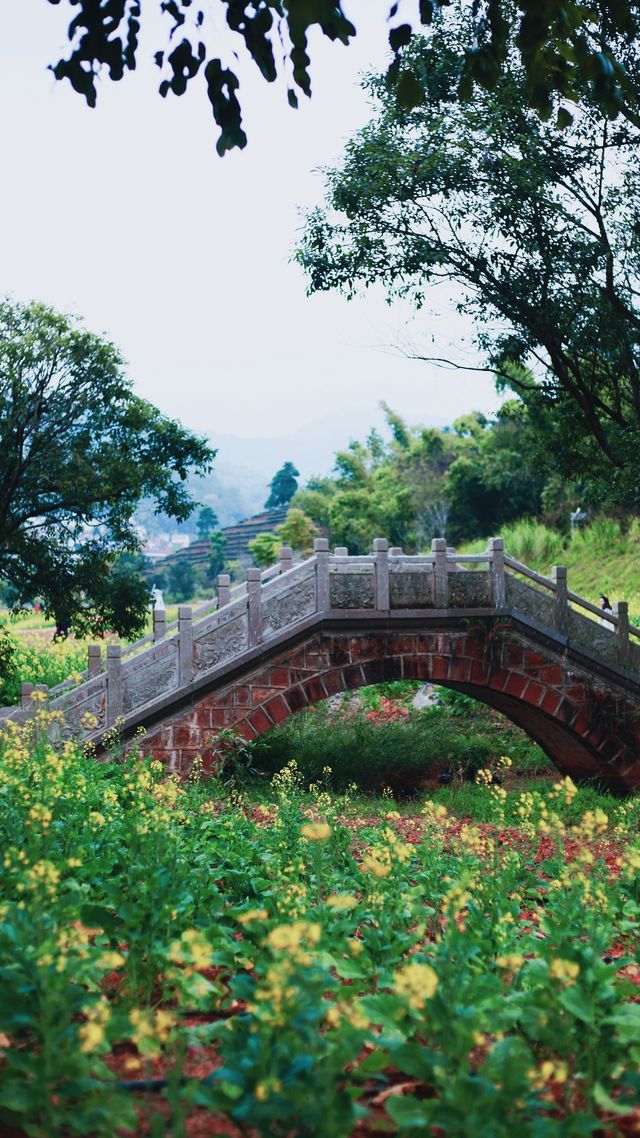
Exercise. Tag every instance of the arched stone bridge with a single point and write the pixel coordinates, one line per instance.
(482, 624)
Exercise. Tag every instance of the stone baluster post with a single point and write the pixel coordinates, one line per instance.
(114, 683)
(254, 593)
(381, 558)
(560, 600)
(621, 610)
(286, 559)
(185, 645)
(159, 624)
(439, 549)
(341, 551)
(25, 694)
(321, 553)
(498, 586)
(94, 660)
(395, 551)
(224, 589)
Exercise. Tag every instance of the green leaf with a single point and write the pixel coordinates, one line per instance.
(604, 1100)
(409, 92)
(408, 1112)
(577, 1003)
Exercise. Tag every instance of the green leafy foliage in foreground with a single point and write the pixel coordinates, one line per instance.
(378, 739)
(260, 960)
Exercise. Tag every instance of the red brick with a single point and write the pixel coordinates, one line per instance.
(246, 730)
(515, 685)
(498, 679)
(333, 681)
(402, 645)
(353, 676)
(277, 709)
(426, 644)
(243, 696)
(367, 648)
(261, 695)
(279, 677)
(339, 651)
(513, 657)
(373, 671)
(201, 716)
(459, 671)
(552, 675)
(551, 702)
(478, 673)
(296, 698)
(577, 693)
(474, 649)
(226, 698)
(295, 659)
(533, 660)
(259, 721)
(581, 723)
(392, 668)
(224, 717)
(184, 736)
(415, 668)
(314, 689)
(439, 668)
(533, 692)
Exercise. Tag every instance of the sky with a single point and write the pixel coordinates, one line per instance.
(126, 216)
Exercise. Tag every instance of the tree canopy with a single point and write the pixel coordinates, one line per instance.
(78, 451)
(537, 226)
(283, 486)
(460, 483)
(562, 48)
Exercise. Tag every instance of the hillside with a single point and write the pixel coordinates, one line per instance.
(600, 558)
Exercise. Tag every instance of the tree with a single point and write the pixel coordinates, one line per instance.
(537, 226)
(181, 579)
(561, 48)
(264, 549)
(297, 530)
(207, 522)
(78, 450)
(217, 542)
(283, 486)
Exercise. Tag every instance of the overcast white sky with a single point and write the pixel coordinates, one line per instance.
(126, 216)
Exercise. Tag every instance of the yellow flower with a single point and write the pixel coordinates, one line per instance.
(512, 961)
(565, 970)
(252, 915)
(315, 831)
(341, 901)
(418, 982)
(291, 936)
(378, 862)
(355, 946)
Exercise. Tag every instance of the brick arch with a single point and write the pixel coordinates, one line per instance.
(589, 730)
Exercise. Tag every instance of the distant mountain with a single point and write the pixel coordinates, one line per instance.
(239, 483)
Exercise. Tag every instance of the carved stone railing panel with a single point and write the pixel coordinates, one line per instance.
(352, 589)
(286, 606)
(599, 638)
(153, 677)
(529, 600)
(412, 588)
(89, 699)
(469, 589)
(229, 638)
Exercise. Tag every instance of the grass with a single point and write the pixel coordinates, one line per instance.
(396, 746)
(601, 558)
